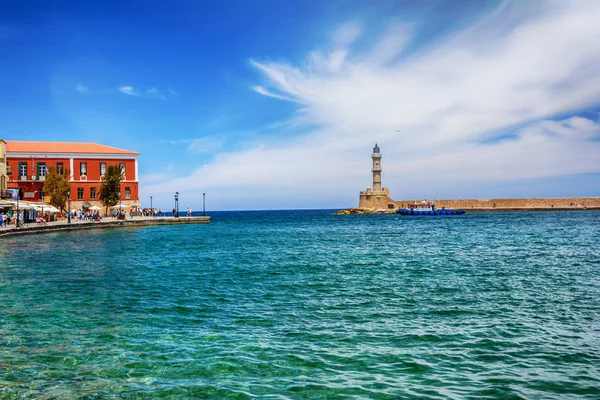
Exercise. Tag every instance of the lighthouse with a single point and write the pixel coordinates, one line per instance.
(376, 197)
(376, 156)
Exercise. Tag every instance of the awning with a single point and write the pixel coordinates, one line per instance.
(46, 208)
(86, 204)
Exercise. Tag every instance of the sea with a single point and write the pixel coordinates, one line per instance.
(306, 305)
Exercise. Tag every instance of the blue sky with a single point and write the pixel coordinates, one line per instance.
(275, 104)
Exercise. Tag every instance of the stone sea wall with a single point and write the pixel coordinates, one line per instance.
(382, 202)
(516, 204)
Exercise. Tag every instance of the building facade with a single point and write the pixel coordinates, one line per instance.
(28, 164)
(3, 170)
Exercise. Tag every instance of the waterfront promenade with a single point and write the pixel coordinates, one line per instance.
(107, 222)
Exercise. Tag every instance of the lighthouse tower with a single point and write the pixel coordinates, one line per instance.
(376, 156)
(377, 197)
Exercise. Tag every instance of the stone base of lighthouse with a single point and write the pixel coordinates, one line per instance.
(376, 200)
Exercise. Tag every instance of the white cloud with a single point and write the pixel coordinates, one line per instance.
(204, 145)
(152, 91)
(454, 101)
(81, 88)
(346, 34)
(129, 90)
(265, 92)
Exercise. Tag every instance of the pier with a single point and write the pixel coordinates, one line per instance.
(75, 225)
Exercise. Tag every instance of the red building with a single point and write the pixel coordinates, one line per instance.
(28, 164)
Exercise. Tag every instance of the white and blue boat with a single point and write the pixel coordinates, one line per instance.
(427, 208)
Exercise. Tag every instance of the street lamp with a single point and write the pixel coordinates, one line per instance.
(17, 219)
(176, 213)
(120, 207)
(203, 204)
(69, 213)
(151, 209)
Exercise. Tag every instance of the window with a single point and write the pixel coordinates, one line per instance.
(41, 169)
(102, 168)
(23, 170)
(92, 193)
(60, 168)
(79, 193)
(127, 193)
(123, 167)
(41, 195)
(82, 169)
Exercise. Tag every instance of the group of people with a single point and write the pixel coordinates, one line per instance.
(85, 215)
(7, 217)
(153, 212)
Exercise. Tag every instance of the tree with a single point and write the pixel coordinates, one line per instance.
(111, 186)
(57, 186)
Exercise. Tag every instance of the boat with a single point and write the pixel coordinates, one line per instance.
(427, 208)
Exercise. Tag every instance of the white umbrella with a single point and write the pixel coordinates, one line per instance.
(95, 208)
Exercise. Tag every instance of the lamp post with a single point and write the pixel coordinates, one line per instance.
(151, 209)
(203, 204)
(176, 213)
(120, 207)
(69, 212)
(17, 219)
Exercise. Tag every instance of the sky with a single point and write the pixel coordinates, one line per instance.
(277, 104)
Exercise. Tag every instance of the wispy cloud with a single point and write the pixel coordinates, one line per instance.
(81, 88)
(177, 142)
(172, 91)
(204, 145)
(457, 103)
(265, 92)
(128, 90)
(346, 34)
(151, 92)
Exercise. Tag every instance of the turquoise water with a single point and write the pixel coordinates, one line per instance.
(306, 305)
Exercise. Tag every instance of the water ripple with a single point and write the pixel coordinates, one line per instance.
(294, 305)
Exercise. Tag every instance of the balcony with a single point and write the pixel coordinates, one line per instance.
(23, 178)
(42, 178)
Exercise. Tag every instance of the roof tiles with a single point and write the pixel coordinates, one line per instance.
(63, 147)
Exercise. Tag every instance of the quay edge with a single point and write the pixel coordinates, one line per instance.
(111, 223)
